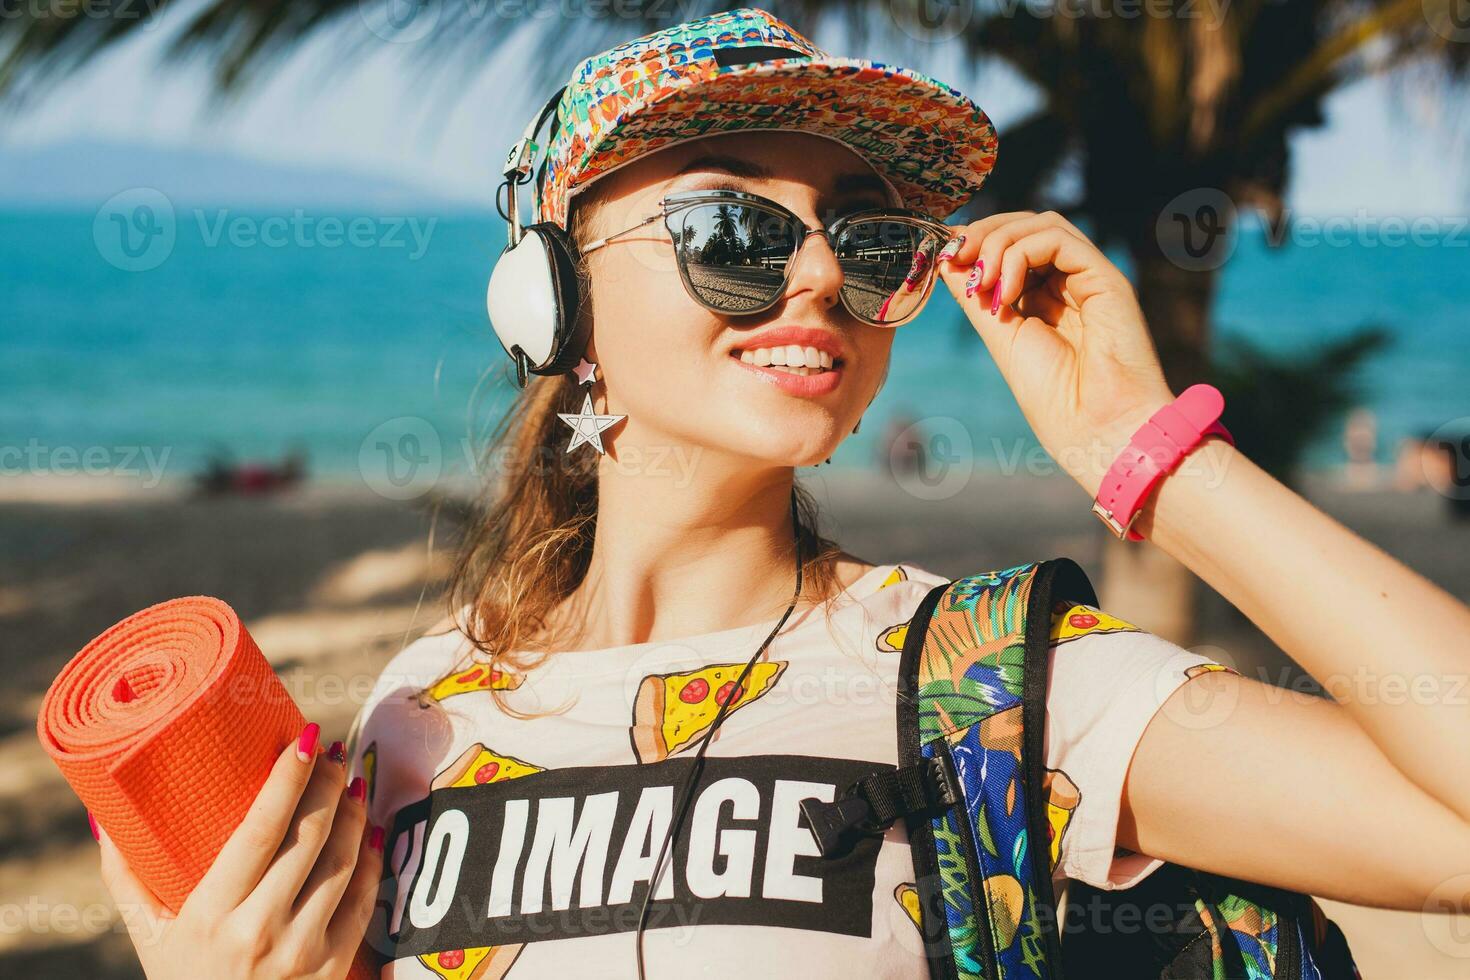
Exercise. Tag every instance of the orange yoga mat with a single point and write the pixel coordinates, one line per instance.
(166, 726)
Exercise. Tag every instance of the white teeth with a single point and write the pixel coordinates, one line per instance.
(789, 355)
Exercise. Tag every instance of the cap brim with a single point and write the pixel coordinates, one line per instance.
(931, 142)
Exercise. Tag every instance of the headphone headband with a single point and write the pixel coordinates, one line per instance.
(518, 167)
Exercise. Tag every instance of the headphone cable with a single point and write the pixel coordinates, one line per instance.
(691, 780)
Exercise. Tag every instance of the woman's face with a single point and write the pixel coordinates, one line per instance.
(675, 368)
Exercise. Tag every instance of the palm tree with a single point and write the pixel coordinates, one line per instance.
(1162, 122)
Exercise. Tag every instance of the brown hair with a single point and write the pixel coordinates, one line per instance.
(528, 541)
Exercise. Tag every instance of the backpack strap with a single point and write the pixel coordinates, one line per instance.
(972, 694)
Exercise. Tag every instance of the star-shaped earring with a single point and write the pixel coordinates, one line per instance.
(588, 426)
(585, 371)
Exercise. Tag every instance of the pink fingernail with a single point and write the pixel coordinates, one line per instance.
(375, 839)
(337, 752)
(973, 282)
(357, 789)
(92, 822)
(952, 249)
(995, 299)
(306, 744)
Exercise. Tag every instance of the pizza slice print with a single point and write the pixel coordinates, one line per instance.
(891, 639)
(907, 897)
(673, 710)
(479, 963)
(477, 766)
(1199, 669)
(480, 677)
(894, 577)
(370, 768)
(1062, 797)
(1071, 620)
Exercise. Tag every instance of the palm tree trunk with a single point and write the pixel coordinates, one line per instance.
(1141, 583)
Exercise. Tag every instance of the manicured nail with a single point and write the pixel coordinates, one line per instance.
(375, 838)
(952, 249)
(995, 299)
(973, 283)
(337, 752)
(306, 744)
(92, 822)
(357, 789)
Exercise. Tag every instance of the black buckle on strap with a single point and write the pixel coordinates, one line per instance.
(871, 805)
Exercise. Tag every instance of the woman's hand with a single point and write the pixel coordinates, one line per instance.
(289, 894)
(1064, 327)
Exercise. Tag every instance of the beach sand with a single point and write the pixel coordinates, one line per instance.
(333, 580)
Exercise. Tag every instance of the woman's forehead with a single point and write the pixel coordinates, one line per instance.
(830, 168)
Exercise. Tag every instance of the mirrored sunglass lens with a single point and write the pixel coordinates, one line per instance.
(735, 257)
(887, 267)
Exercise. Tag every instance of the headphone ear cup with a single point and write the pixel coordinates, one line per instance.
(533, 299)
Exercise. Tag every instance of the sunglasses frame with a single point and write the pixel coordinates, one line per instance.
(672, 204)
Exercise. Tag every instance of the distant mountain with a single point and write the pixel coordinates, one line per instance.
(86, 173)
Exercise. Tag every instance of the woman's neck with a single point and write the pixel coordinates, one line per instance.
(675, 558)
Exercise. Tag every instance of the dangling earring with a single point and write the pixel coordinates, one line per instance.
(587, 425)
(854, 432)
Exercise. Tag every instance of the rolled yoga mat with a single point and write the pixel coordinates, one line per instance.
(166, 726)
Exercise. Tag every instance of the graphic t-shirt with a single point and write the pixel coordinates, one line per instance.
(522, 847)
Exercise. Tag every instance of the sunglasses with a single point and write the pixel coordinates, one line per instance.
(735, 252)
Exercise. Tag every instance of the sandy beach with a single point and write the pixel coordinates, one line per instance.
(333, 580)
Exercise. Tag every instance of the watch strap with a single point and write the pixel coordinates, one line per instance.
(1155, 449)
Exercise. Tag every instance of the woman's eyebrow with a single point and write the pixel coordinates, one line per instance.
(731, 165)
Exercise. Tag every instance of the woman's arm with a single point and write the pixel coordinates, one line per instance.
(1366, 799)
(1389, 646)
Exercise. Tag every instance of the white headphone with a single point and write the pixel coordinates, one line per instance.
(534, 295)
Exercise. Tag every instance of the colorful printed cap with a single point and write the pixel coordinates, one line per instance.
(746, 70)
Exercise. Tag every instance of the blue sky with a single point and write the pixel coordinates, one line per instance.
(1386, 150)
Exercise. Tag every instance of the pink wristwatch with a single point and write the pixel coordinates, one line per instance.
(1155, 449)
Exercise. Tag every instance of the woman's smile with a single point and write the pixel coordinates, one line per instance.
(799, 360)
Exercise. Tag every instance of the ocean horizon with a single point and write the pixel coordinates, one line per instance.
(211, 331)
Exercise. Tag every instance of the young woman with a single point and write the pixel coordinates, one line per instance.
(607, 601)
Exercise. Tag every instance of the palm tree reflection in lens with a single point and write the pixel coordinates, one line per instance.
(734, 258)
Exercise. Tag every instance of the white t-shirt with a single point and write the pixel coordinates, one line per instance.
(548, 875)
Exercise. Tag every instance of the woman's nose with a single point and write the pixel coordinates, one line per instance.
(816, 269)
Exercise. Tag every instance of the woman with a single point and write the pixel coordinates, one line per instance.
(608, 599)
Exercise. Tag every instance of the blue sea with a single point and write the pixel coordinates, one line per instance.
(251, 333)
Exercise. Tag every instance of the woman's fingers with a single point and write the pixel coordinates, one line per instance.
(336, 862)
(359, 899)
(248, 852)
(142, 912)
(1051, 246)
(309, 829)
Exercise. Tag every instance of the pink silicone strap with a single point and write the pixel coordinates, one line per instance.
(1155, 449)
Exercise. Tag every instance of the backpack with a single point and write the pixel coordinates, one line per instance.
(971, 786)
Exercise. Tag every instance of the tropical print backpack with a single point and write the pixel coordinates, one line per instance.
(971, 786)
